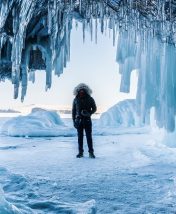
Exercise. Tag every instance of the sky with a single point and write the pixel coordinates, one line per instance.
(91, 63)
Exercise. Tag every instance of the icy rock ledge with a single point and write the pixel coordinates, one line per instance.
(39, 123)
(123, 114)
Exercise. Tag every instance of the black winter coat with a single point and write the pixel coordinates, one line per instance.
(85, 103)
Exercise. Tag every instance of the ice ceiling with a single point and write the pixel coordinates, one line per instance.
(36, 35)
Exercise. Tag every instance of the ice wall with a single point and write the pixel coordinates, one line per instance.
(156, 63)
(36, 35)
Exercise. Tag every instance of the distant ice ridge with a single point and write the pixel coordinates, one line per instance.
(38, 123)
(123, 114)
(8, 111)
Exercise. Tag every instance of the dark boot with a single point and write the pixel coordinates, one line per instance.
(79, 155)
(91, 155)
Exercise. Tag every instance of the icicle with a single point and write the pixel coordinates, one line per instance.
(114, 32)
(24, 73)
(24, 82)
(80, 5)
(106, 26)
(49, 18)
(91, 28)
(17, 45)
(96, 31)
(83, 29)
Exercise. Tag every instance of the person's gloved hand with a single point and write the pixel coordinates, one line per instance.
(75, 125)
(77, 122)
(85, 113)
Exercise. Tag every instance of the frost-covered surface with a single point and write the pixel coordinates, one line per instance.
(5, 206)
(123, 114)
(20, 183)
(38, 123)
(133, 173)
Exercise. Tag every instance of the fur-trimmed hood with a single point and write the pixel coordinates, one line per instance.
(84, 87)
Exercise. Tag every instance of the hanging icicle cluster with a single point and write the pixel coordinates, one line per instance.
(155, 63)
(36, 35)
(146, 43)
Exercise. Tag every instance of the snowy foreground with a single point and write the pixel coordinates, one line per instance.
(133, 173)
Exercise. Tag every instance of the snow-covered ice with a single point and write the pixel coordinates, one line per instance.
(134, 172)
(38, 123)
(123, 114)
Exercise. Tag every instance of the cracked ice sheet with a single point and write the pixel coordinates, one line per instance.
(131, 174)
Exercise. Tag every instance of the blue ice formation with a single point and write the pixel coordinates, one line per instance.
(122, 114)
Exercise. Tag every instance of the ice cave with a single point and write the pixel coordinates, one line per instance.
(135, 140)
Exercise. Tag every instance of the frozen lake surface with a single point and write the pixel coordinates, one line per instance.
(133, 173)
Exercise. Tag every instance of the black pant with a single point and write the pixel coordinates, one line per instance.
(85, 124)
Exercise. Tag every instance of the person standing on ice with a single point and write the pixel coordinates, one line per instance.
(83, 107)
